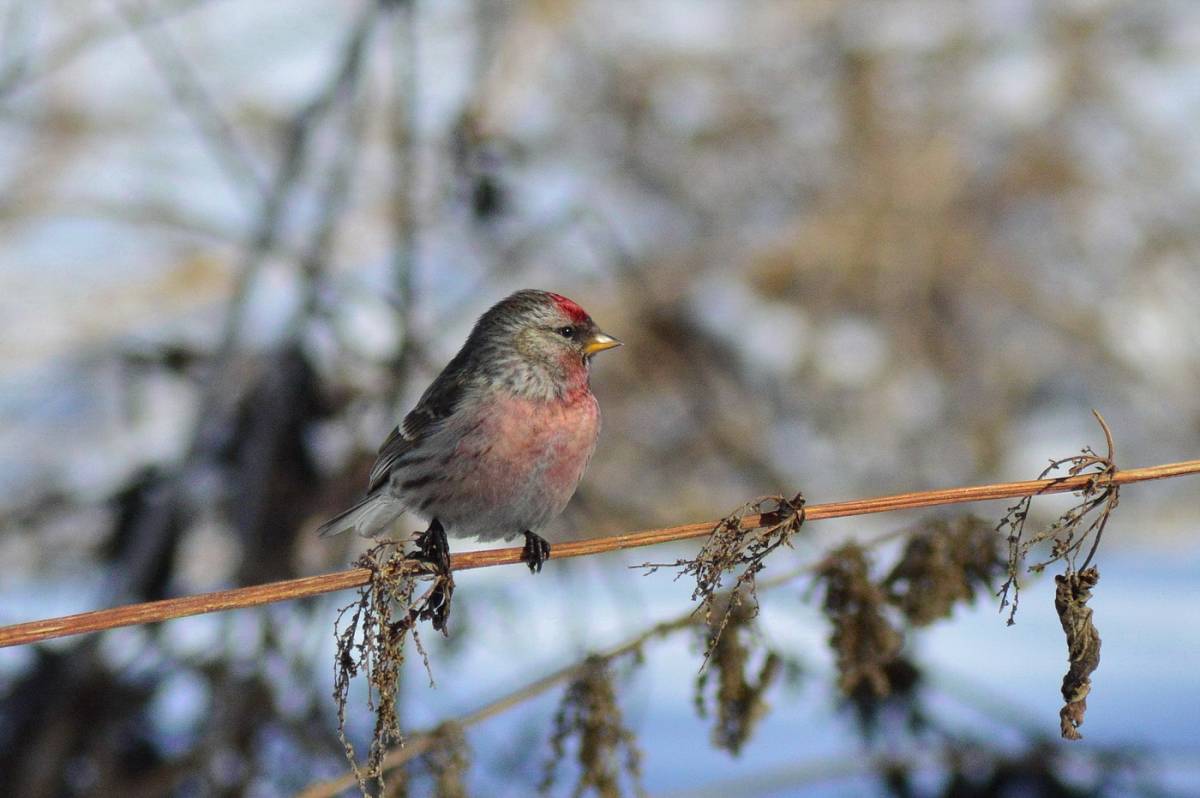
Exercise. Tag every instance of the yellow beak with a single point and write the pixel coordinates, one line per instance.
(599, 342)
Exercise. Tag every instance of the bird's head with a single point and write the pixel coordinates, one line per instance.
(543, 336)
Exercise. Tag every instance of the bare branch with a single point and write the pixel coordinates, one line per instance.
(157, 611)
(189, 92)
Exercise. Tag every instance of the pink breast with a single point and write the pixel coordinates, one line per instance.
(528, 450)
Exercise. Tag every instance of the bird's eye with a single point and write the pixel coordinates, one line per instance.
(566, 332)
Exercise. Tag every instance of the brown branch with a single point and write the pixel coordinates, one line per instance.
(156, 611)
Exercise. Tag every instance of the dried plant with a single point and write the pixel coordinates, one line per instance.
(448, 761)
(902, 703)
(605, 746)
(1069, 534)
(739, 698)
(372, 641)
(1071, 596)
(734, 546)
(864, 641)
(1038, 767)
(943, 562)
(1082, 525)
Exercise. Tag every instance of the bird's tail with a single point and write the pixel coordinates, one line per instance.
(370, 517)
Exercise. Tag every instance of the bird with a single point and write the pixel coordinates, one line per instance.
(499, 441)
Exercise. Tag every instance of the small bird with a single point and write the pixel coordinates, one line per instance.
(498, 442)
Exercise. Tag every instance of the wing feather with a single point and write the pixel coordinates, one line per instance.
(440, 400)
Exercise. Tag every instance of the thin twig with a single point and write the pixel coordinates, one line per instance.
(189, 92)
(297, 137)
(156, 611)
(402, 111)
(16, 75)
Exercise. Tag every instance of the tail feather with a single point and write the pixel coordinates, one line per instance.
(370, 517)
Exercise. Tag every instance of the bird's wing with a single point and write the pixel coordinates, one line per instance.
(393, 448)
(438, 403)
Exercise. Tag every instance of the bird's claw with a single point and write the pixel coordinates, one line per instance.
(536, 552)
(436, 607)
(433, 548)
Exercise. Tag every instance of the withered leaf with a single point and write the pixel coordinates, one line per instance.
(1071, 595)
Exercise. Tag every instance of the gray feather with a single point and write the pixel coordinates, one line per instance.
(370, 518)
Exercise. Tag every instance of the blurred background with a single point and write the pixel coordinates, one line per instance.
(853, 247)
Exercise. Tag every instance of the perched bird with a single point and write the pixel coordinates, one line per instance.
(499, 441)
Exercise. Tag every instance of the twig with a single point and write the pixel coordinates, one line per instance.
(297, 137)
(402, 112)
(16, 75)
(156, 611)
(183, 81)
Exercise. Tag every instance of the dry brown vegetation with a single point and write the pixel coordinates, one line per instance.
(856, 247)
(943, 562)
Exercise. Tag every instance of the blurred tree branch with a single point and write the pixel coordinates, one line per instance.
(17, 73)
(189, 92)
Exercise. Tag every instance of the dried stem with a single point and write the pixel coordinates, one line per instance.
(1099, 495)
(419, 743)
(157, 611)
(735, 545)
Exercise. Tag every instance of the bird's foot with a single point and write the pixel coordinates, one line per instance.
(433, 548)
(435, 606)
(536, 552)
